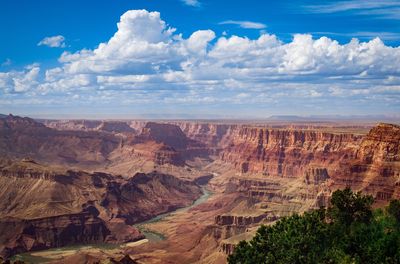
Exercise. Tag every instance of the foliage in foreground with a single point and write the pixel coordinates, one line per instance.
(349, 231)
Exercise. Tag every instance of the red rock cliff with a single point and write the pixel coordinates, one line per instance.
(287, 153)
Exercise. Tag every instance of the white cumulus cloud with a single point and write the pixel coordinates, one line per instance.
(148, 61)
(53, 42)
(20, 81)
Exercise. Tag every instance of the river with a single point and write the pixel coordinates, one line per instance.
(155, 236)
(53, 254)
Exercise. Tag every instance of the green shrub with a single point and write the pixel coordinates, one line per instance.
(348, 231)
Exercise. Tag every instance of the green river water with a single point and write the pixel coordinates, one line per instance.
(152, 236)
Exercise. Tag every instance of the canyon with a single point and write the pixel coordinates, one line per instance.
(69, 182)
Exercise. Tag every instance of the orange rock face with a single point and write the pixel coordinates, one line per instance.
(257, 172)
(24, 137)
(364, 162)
(168, 134)
(45, 207)
(172, 136)
(90, 144)
(302, 151)
(212, 135)
(378, 162)
(18, 235)
(287, 153)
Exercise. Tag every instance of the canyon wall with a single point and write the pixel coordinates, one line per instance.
(213, 135)
(96, 144)
(24, 137)
(43, 207)
(287, 153)
(90, 125)
(315, 152)
(259, 172)
(369, 163)
(20, 235)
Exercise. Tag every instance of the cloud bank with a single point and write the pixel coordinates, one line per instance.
(147, 62)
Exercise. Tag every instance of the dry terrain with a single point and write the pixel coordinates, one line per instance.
(85, 185)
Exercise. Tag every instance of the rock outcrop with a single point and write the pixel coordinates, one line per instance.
(96, 144)
(316, 175)
(20, 235)
(158, 153)
(79, 125)
(259, 172)
(369, 163)
(24, 137)
(213, 135)
(378, 162)
(146, 195)
(287, 153)
(174, 146)
(44, 207)
(90, 125)
(227, 226)
(167, 134)
(115, 127)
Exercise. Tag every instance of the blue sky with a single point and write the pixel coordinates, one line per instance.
(199, 59)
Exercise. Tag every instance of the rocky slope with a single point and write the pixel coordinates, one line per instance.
(315, 153)
(300, 170)
(20, 235)
(378, 162)
(24, 137)
(46, 207)
(96, 145)
(146, 195)
(90, 125)
(215, 136)
(287, 153)
(369, 163)
(172, 135)
(258, 173)
(80, 125)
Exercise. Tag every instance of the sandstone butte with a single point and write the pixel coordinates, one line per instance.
(67, 182)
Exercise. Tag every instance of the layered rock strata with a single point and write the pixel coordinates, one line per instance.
(45, 207)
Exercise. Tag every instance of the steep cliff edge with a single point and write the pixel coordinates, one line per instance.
(173, 146)
(167, 134)
(97, 145)
(44, 207)
(146, 195)
(213, 135)
(287, 153)
(380, 145)
(260, 173)
(369, 163)
(20, 235)
(378, 162)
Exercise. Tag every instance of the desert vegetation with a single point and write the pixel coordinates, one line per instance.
(348, 231)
